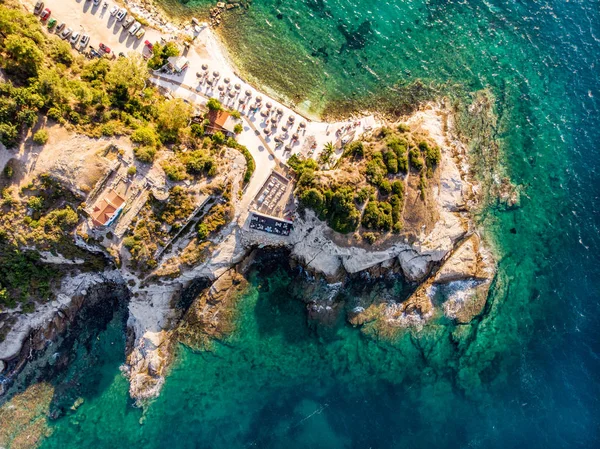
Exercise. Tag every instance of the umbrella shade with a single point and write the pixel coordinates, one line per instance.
(226, 80)
(248, 93)
(303, 125)
(291, 119)
(215, 73)
(258, 99)
(204, 66)
(269, 105)
(231, 94)
(295, 137)
(238, 87)
(221, 87)
(267, 131)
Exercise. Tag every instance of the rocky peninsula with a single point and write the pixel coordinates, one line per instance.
(183, 288)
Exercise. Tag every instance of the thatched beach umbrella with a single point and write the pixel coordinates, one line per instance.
(248, 93)
(279, 111)
(264, 113)
(231, 94)
(241, 101)
(284, 128)
(267, 131)
(209, 82)
(237, 87)
(198, 74)
(273, 120)
(258, 99)
(295, 136)
(302, 125)
(221, 87)
(204, 66)
(216, 74)
(226, 80)
(269, 105)
(291, 119)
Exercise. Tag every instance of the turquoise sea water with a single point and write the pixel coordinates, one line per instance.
(526, 374)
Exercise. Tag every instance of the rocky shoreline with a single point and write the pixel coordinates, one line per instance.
(447, 270)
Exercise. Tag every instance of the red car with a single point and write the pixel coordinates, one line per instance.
(104, 48)
(45, 14)
(149, 45)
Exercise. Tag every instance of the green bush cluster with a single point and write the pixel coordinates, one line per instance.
(160, 54)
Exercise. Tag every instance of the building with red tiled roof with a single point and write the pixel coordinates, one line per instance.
(220, 121)
(107, 209)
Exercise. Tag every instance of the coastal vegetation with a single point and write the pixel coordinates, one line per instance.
(365, 188)
(41, 216)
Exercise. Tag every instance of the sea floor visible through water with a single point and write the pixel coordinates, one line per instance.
(526, 373)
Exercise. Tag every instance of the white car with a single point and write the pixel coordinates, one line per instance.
(121, 14)
(74, 37)
(113, 10)
(65, 34)
(85, 39)
(136, 26)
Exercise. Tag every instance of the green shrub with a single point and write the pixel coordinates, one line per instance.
(385, 188)
(55, 114)
(238, 128)
(370, 237)
(378, 215)
(415, 159)
(131, 171)
(403, 128)
(36, 203)
(8, 171)
(218, 138)
(236, 114)
(175, 172)
(313, 199)
(398, 188)
(145, 135)
(376, 170)
(145, 154)
(355, 149)
(391, 162)
(197, 130)
(214, 105)
(362, 196)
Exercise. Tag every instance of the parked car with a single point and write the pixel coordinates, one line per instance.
(96, 2)
(38, 8)
(75, 37)
(60, 27)
(45, 14)
(85, 39)
(51, 23)
(148, 44)
(121, 14)
(136, 26)
(128, 22)
(94, 53)
(65, 34)
(113, 10)
(140, 33)
(104, 48)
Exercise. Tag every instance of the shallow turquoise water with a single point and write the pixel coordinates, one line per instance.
(527, 374)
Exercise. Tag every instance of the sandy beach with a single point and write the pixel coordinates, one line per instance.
(272, 131)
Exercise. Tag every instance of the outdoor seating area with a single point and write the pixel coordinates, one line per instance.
(270, 225)
(274, 197)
